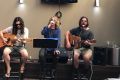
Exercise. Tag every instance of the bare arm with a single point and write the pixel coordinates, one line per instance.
(68, 45)
(87, 42)
(2, 37)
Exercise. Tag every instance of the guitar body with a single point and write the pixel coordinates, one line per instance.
(74, 41)
(9, 38)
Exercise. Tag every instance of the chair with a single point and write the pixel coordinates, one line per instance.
(47, 68)
(81, 73)
(47, 64)
(84, 74)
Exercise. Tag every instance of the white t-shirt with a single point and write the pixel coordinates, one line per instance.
(23, 36)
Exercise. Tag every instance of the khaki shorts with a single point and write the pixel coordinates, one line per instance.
(83, 51)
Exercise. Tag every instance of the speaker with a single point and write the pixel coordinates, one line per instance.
(63, 56)
(102, 56)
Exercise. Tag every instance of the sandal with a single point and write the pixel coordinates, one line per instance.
(21, 73)
(22, 70)
(7, 75)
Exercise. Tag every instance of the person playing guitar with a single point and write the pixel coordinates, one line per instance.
(13, 38)
(83, 43)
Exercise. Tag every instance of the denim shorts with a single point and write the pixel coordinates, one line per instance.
(16, 49)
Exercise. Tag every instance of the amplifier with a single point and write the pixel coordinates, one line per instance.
(102, 56)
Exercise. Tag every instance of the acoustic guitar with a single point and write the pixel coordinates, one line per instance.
(10, 40)
(76, 41)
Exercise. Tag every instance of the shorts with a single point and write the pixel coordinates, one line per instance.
(83, 51)
(16, 49)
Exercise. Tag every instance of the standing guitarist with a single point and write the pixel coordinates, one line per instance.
(18, 33)
(85, 45)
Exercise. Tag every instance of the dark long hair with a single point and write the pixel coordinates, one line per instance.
(81, 20)
(15, 28)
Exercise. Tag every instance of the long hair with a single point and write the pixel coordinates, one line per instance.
(81, 20)
(15, 28)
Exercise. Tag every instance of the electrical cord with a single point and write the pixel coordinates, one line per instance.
(91, 70)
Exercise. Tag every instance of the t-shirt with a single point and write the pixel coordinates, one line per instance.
(83, 34)
(19, 35)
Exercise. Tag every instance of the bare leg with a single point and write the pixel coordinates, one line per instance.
(87, 56)
(76, 58)
(24, 55)
(6, 58)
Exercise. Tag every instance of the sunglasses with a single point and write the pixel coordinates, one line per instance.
(18, 24)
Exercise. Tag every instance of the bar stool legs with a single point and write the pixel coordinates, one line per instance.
(82, 73)
(48, 72)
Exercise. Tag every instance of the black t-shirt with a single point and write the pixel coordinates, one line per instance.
(83, 34)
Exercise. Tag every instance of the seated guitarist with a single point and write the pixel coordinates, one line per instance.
(85, 47)
(20, 33)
